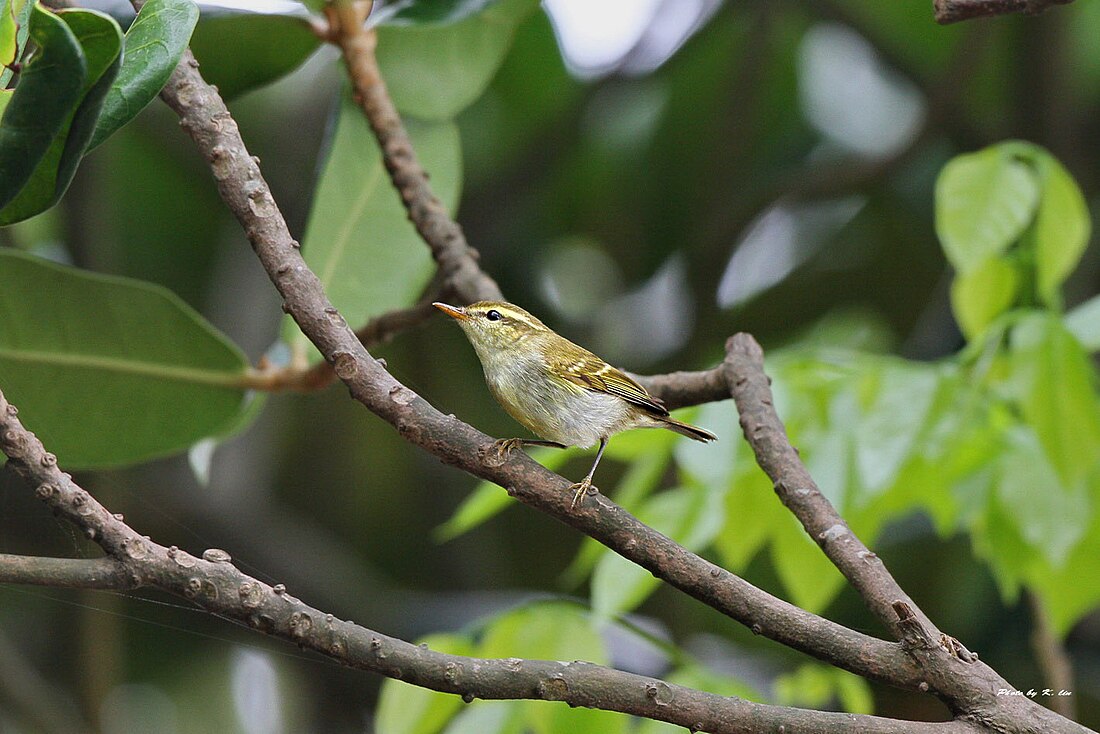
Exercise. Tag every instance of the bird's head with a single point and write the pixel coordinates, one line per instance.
(494, 325)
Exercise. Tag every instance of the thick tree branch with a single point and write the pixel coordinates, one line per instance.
(951, 671)
(215, 584)
(953, 11)
(205, 118)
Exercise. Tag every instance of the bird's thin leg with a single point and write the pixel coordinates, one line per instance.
(582, 486)
(505, 446)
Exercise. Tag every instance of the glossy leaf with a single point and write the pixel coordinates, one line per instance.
(407, 709)
(435, 71)
(1052, 381)
(49, 90)
(692, 516)
(154, 44)
(100, 40)
(241, 51)
(358, 238)
(983, 294)
(150, 374)
(14, 30)
(984, 202)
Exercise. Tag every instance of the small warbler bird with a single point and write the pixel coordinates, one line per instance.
(559, 391)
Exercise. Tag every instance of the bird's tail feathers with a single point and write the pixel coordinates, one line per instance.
(686, 429)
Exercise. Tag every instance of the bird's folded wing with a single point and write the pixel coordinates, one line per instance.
(592, 373)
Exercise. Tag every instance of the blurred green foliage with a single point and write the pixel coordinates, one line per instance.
(825, 174)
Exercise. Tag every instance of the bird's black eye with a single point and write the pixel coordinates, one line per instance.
(493, 315)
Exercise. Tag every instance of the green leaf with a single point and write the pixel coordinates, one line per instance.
(692, 516)
(146, 374)
(544, 717)
(814, 685)
(154, 44)
(488, 717)
(544, 631)
(984, 202)
(983, 294)
(1066, 597)
(100, 40)
(15, 18)
(435, 71)
(1062, 228)
(1084, 323)
(358, 238)
(805, 571)
(489, 499)
(241, 51)
(752, 512)
(1051, 379)
(407, 709)
(1052, 520)
(895, 401)
(49, 90)
(1062, 223)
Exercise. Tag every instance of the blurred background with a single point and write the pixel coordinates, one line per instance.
(649, 177)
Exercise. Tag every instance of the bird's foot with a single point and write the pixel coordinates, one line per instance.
(580, 488)
(502, 447)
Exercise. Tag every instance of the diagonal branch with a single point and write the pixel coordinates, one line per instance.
(215, 584)
(951, 671)
(205, 118)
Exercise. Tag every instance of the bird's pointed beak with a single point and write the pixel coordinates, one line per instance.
(455, 312)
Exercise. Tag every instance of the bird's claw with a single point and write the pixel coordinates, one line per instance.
(505, 446)
(581, 487)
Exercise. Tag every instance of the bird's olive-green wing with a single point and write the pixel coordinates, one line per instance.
(581, 367)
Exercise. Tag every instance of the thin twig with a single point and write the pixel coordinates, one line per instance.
(378, 330)
(457, 261)
(953, 11)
